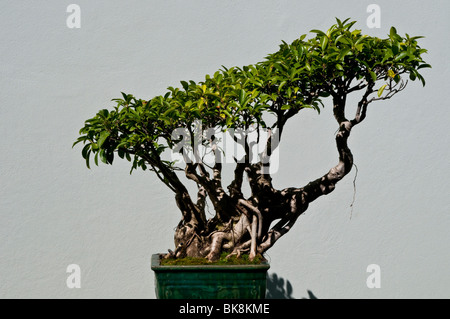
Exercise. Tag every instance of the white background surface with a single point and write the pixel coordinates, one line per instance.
(55, 212)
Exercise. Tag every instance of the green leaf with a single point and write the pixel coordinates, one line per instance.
(96, 159)
(401, 56)
(362, 38)
(343, 53)
(324, 42)
(85, 150)
(338, 38)
(318, 32)
(343, 39)
(424, 66)
(87, 159)
(80, 139)
(121, 152)
(103, 136)
(356, 32)
(373, 75)
(387, 55)
(395, 48)
(308, 66)
(103, 156)
(241, 96)
(185, 85)
(110, 157)
(339, 67)
(279, 67)
(173, 108)
(103, 113)
(421, 79)
(392, 32)
(381, 89)
(349, 25)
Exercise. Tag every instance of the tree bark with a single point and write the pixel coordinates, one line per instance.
(245, 227)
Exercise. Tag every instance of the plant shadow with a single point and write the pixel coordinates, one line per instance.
(278, 287)
(281, 288)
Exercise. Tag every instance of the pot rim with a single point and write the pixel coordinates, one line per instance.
(156, 266)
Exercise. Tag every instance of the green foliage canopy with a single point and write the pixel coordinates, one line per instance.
(298, 76)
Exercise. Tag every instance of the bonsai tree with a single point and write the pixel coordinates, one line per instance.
(173, 134)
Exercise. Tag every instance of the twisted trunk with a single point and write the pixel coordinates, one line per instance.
(243, 225)
(248, 231)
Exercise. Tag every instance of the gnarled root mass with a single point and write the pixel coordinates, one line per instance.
(244, 225)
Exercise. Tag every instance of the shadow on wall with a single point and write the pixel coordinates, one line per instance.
(280, 288)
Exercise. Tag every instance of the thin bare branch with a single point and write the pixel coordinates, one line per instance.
(361, 85)
(392, 90)
(361, 110)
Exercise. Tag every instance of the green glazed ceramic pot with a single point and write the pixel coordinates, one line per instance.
(209, 281)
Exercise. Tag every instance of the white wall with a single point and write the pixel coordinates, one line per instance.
(55, 212)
